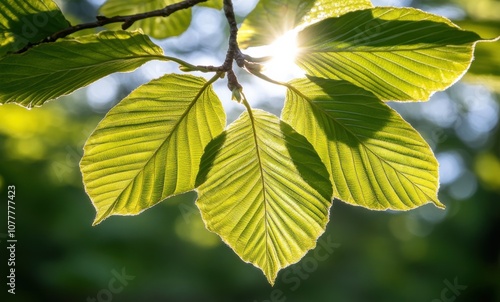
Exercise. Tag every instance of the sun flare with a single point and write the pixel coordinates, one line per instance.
(282, 52)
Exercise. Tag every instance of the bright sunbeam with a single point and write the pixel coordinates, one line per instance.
(282, 51)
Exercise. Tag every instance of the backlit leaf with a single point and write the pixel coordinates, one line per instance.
(399, 54)
(265, 191)
(157, 27)
(27, 21)
(375, 158)
(485, 68)
(323, 9)
(149, 146)
(51, 70)
(273, 18)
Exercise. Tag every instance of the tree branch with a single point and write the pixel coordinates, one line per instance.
(233, 52)
(127, 21)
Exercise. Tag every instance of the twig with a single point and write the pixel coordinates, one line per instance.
(127, 21)
(233, 52)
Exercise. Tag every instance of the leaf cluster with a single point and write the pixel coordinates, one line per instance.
(265, 183)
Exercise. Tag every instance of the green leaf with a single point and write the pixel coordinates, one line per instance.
(273, 18)
(264, 191)
(149, 146)
(375, 158)
(330, 9)
(216, 4)
(27, 21)
(51, 70)
(485, 68)
(399, 54)
(158, 27)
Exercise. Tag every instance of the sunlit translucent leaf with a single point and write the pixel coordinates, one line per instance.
(51, 70)
(485, 68)
(272, 18)
(265, 191)
(27, 21)
(149, 146)
(375, 158)
(323, 9)
(217, 4)
(399, 54)
(157, 27)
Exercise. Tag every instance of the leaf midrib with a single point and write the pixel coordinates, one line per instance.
(101, 64)
(354, 135)
(385, 49)
(181, 119)
(261, 170)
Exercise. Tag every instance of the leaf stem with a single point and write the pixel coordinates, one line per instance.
(257, 60)
(185, 66)
(266, 78)
(244, 101)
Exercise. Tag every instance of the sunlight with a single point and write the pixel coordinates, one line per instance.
(282, 51)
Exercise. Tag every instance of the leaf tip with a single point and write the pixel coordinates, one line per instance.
(271, 279)
(271, 273)
(439, 205)
(98, 219)
(100, 216)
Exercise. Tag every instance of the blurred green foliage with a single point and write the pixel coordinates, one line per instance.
(379, 256)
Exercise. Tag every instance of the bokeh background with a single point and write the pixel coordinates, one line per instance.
(375, 256)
